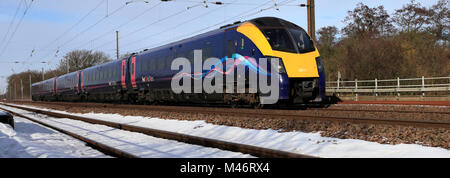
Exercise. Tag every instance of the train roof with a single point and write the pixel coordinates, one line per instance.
(42, 82)
(259, 22)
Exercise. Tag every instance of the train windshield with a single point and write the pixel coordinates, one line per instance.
(279, 40)
(284, 36)
(302, 41)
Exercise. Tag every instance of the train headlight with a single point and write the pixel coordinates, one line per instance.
(319, 63)
(280, 68)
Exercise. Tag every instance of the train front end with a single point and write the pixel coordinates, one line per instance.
(302, 72)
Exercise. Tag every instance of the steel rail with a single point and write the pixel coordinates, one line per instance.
(386, 111)
(92, 143)
(265, 114)
(207, 142)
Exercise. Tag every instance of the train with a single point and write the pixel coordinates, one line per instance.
(144, 77)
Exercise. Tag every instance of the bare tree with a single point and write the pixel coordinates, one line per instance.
(364, 20)
(412, 17)
(439, 19)
(327, 35)
(81, 59)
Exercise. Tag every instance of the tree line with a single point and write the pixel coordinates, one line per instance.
(411, 42)
(71, 62)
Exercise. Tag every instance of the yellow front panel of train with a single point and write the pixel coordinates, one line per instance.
(297, 65)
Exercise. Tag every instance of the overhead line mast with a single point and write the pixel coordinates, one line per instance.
(311, 19)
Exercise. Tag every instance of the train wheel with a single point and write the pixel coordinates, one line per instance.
(258, 105)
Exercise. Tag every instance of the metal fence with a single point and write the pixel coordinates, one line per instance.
(397, 86)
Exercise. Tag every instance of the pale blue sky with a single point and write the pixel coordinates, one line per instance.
(48, 19)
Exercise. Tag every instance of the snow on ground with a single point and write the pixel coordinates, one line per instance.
(298, 142)
(31, 140)
(134, 143)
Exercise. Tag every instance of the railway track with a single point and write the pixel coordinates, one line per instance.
(385, 111)
(92, 143)
(279, 114)
(430, 103)
(189, 139)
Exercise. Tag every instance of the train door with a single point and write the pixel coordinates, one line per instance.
(131, 85)
(123, 74)
(55, 86)
(77, 80)
(230, 44)
(81, 81)
(230, 49)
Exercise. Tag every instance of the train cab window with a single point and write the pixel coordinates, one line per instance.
(279, 39)
(302, 40)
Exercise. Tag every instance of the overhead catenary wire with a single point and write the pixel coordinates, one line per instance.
(120, 26)
(74, 25)
(149, 25)
(17, 27)
(243, 15)
(215, 25)
(88, 28)
(142, 28)
(12, 22)
(172, 27)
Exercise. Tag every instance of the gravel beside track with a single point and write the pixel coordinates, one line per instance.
(382, 133)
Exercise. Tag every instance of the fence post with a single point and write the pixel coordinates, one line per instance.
(338, 80)
(423, 87)
(376, 87)
(398, 88)
(356, 89)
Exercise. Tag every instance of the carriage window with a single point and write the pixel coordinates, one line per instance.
(204, 54)
(144, 65)
(150, 64)
(230, 48)
(208, 52)
(160, 63)
(168, 61)
(191, 57)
